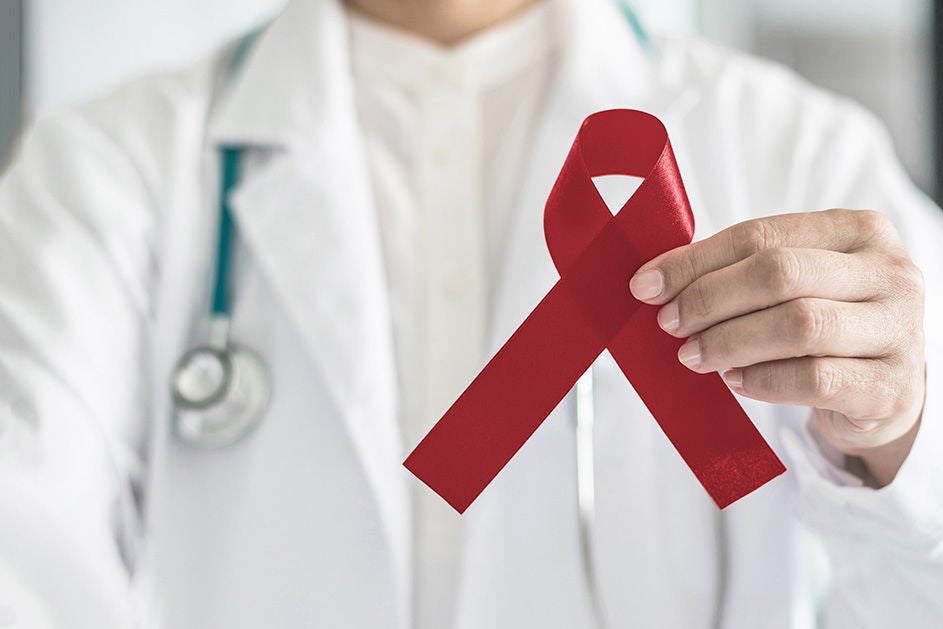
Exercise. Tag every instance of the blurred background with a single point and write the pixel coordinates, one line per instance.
(880, 53)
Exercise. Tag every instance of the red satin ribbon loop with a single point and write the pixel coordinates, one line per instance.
(590, 310)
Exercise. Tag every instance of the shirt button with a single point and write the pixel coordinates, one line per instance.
(456, 285)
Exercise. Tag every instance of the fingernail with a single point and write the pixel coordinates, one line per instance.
(668, 317)
(734, 378)
(647, 284)
(690, 353)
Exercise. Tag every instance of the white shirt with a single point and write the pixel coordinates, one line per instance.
(445, 130)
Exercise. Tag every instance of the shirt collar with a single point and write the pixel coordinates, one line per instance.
(380, 52)
(291, 85)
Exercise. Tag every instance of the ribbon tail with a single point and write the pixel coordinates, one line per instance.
(697, 412)
(492, 419)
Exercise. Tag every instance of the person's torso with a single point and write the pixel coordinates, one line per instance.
(307, 522)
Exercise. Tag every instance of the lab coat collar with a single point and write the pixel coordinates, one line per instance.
(292, 83)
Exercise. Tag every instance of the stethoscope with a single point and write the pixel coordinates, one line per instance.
(220, 389)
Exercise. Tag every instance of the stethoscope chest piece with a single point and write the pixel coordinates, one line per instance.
(220, 389)
(220, 395)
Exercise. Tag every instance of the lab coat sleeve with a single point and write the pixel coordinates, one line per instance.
(885, 545)
(76, 265)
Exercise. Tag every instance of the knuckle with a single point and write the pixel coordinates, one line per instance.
(679, 272)
(760, 379)
(778, 271)
(880, 391)
(901, 301)
(902, 396)
(902, 304)
(901, 329)
(902, 389)
(870, 220)
(826, 380)
(750, 237)
(715, 346)
(874, 226)
(886, 401)
(695, 302)
(689, 270)
(908, 276)
(806, 322)
(897, 403)
(880, 275)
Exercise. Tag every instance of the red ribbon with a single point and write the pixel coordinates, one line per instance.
(588, 310)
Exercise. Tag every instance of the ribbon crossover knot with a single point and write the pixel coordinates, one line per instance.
(590, 309)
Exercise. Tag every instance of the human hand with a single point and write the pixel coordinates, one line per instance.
(821, 309)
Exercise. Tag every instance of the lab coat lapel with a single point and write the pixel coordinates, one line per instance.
(307, 218)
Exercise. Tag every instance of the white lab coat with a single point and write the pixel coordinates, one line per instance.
(106, 244)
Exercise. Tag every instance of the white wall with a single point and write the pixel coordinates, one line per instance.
(858, 16)
(76, 48)
(875, 51)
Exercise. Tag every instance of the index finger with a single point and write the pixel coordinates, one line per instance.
(659, 280)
